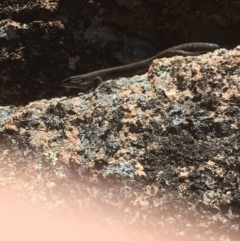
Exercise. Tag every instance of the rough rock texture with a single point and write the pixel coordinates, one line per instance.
(151, 155)
(162, 148)
(43, 42)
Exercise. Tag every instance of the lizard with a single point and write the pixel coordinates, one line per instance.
(95, 78)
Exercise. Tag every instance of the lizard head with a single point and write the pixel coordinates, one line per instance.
(83, 82)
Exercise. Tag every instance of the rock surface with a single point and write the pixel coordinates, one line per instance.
(43, 42)
(139, 157)
(163, 148)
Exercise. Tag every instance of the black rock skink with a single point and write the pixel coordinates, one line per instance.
(93, 79)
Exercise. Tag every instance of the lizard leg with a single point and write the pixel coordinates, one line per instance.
(97, 81)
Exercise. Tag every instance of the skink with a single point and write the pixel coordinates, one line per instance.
(93, 79)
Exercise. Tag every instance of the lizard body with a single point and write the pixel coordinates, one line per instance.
(93, 79)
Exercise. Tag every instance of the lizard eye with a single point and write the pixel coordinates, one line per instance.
(83, 80)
